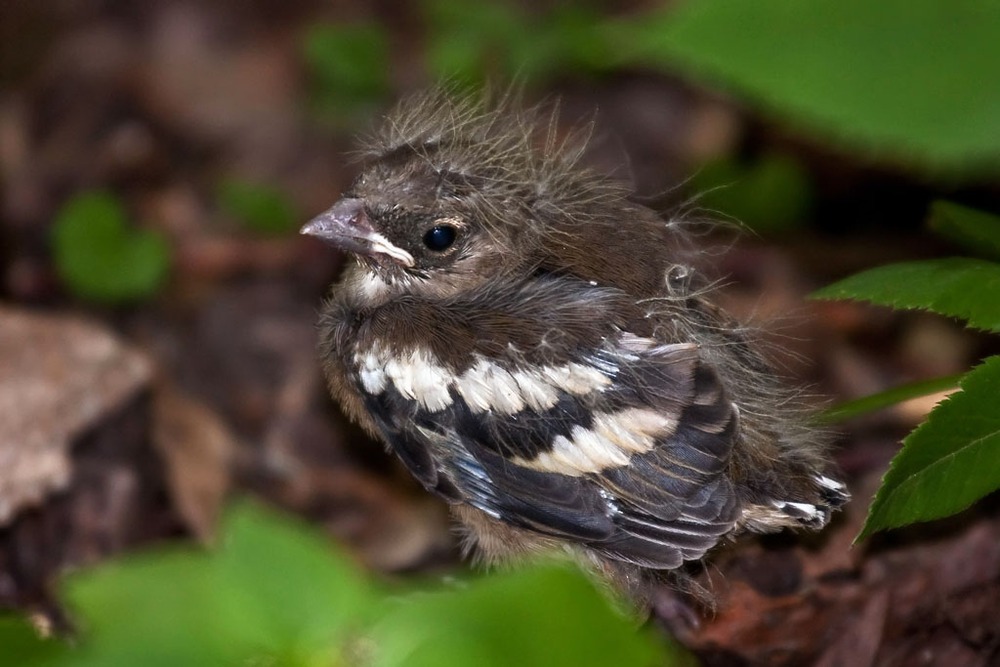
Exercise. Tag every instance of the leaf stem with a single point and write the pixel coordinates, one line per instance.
(860, 406)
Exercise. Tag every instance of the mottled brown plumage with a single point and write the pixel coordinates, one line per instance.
(540, 351)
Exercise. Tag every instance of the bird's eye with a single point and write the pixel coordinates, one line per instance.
(440, 237)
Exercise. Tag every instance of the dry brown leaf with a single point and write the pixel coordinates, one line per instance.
(59, 375)
(858, 645)
(198, 449)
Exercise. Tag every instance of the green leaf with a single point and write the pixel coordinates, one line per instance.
(100, 258)
(899, 79)
(166, 608)
(261, 208)
(472, 43)
(769, 196)
(21, 645)
(581, 38)
(976, 231)
(348, 66)
(956, 287)
(548, 615)
(949, 462)
(307, 598)
(883, 399)
(274, 594)
(478, 42)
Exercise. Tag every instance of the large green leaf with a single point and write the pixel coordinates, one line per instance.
(956, 287)
(162, 609)
(21, 644)
(305, 596)
(274, 594)
(949, 462)
(549, 616)
(909, 79)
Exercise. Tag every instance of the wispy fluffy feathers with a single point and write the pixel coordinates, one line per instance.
(516, 158)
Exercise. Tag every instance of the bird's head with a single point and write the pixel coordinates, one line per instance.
(418, 223)
(459, 192)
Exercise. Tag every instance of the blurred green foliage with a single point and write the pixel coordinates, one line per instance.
(260, 208)
(909, 82)
(906, 80)
(975, 231)
(20, 644)
(277, 593)
(100, 258)
(348, 67)
(770, 195)
(503, 41)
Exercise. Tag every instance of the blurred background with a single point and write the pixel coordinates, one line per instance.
(158, 308)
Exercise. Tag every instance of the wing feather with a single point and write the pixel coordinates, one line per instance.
(549, 470)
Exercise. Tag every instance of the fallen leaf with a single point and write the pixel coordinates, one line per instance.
(198, 449)
(59, 376)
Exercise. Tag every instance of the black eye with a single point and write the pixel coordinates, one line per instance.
(440, 237)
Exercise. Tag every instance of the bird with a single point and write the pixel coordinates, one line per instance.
(542, 351)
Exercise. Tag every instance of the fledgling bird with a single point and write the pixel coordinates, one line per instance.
(540, 352)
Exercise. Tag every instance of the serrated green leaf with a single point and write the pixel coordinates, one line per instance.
(976, 231)
(955, 287)
(546, 615)
(100, 258)
(949, 462)
(898, 79)
(261, 208)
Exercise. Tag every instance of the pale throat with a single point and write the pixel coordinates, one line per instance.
(364, 287)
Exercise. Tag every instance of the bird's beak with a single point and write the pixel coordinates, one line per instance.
(346, 226)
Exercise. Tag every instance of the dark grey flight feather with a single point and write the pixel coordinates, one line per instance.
(664, 506)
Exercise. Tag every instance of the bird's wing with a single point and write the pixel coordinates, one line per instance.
(624, 448)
